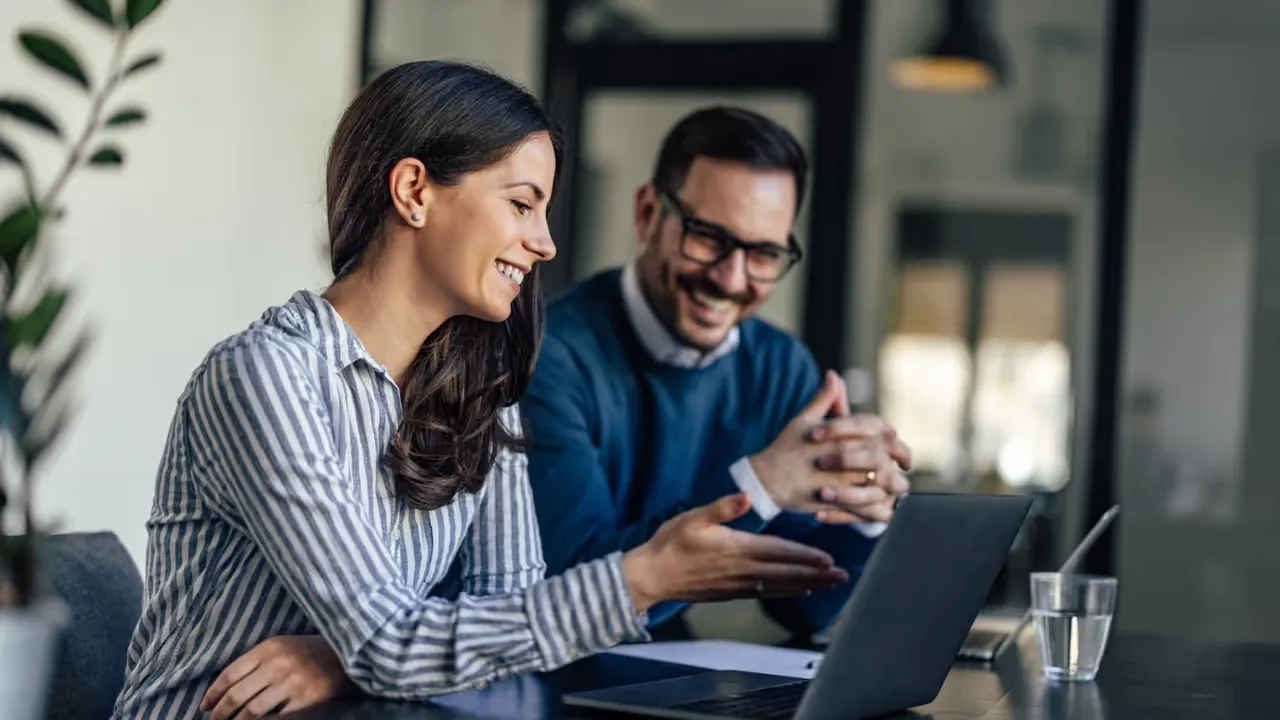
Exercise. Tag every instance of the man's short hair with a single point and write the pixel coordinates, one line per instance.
(728, 133)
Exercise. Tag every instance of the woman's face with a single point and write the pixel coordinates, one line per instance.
(482, 236)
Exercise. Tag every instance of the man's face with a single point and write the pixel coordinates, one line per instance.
(700, 300)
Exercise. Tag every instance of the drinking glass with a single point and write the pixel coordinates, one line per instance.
(1073, 619)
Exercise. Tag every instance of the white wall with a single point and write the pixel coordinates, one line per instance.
(504, 35)
(217, 214)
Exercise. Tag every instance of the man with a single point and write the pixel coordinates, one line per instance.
(656, 389)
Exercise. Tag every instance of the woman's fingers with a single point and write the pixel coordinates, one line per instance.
(234, 673)
(785, 579)
(771, 549)
(239, 695)
(264, 703)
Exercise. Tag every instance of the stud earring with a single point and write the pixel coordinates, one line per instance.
(415, 217)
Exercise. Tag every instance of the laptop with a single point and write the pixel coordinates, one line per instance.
(895, 639)
(992, 635)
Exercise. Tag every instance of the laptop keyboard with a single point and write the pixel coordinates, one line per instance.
(779, 701)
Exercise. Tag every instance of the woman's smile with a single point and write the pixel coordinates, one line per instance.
(511, 273)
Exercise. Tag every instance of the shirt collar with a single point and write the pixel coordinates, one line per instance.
(655, 338)
(332, 336)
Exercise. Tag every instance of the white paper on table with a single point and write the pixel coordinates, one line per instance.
(728, 655)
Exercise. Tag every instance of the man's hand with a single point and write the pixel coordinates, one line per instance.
(863, 438)
(865, 444)
(841, 470)
(694, 557)
(280, 674)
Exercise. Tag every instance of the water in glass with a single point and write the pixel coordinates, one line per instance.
(1072, 620)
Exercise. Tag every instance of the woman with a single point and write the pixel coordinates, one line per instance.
(327, 466)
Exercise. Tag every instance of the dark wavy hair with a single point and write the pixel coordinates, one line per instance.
(456, 119)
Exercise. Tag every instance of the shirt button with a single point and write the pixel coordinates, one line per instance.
(395, 533)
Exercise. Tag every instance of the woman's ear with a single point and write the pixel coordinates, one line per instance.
(410, 191)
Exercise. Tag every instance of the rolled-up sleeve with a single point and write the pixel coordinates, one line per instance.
(262, 443)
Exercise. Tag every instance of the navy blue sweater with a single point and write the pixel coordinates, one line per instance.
(620, 442)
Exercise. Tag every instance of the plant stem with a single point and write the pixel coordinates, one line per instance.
(29, 184)
(95, 115)
(21, 559)
(24, 574)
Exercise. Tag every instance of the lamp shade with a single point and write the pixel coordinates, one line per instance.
(962, 55)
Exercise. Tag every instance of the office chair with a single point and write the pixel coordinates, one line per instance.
(98, 580)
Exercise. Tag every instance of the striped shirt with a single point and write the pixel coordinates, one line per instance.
(273, 515)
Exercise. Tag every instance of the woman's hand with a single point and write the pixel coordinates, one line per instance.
(694, 557)
(280, 674)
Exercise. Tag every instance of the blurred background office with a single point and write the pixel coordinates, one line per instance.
(1051, 267)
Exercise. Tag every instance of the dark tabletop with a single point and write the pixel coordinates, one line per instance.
(1140, 678)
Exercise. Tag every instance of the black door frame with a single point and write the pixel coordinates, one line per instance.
(1119, 125)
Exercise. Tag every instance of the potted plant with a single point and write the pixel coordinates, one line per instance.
(36, 361)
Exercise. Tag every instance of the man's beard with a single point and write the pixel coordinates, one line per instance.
(667, 284)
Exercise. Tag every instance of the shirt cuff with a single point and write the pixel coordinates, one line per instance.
(585, 610)
(872, 530)
(745, 477)
(748, 482)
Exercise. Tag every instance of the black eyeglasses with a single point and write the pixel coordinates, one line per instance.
(709, 244)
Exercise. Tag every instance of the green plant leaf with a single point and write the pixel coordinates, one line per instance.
(34, 449)
(50, 418)
(12, 415)
(142, 63)
(17, 231)
(54, 54)
(107, 155)
(30, 329)
(23, 110)
(67, 365)
(135, 11)
(126, 116)
(100, 9)
(35, 444)
(8, 153)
